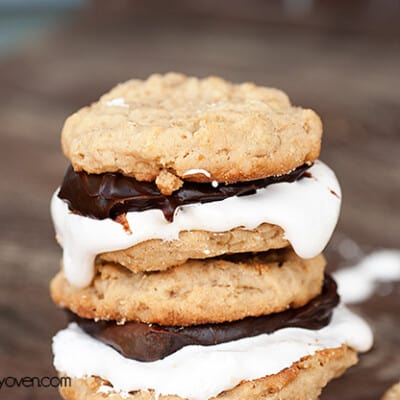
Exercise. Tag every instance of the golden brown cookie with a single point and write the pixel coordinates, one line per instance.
(158, 255)
(178, 124)
(304, 380)
(197, 292)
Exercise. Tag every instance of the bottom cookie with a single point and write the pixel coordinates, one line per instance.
(304, 380)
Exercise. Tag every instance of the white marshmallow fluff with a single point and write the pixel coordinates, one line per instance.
(200, 372)
(307, 210)
(358, 283)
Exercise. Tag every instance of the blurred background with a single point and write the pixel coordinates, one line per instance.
(341, 58)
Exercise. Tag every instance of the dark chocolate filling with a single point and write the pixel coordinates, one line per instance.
(111, 194)
(145, 342)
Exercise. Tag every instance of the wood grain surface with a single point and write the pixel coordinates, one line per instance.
(351, 77)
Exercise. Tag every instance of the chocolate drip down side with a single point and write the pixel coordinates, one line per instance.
(149, 342)
(111, 194)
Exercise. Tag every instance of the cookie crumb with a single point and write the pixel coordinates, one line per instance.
(393, 393)
(121, 219)
(167, 182)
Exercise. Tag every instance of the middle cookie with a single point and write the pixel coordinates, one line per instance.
(158, 255)
(199, 291)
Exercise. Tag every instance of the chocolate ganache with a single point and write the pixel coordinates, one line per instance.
(144, 342)
(111, 194)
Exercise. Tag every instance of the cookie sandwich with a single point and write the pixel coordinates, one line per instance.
(192, 219)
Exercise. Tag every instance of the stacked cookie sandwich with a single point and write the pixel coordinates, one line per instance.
(192, 221)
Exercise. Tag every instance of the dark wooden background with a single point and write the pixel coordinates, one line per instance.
(340, 58)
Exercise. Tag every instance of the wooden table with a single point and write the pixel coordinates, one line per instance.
(351, 79)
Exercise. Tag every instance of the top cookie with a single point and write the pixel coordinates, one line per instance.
(172, 127)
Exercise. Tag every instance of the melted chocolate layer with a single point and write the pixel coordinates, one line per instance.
(145, 342)
(111, 194)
